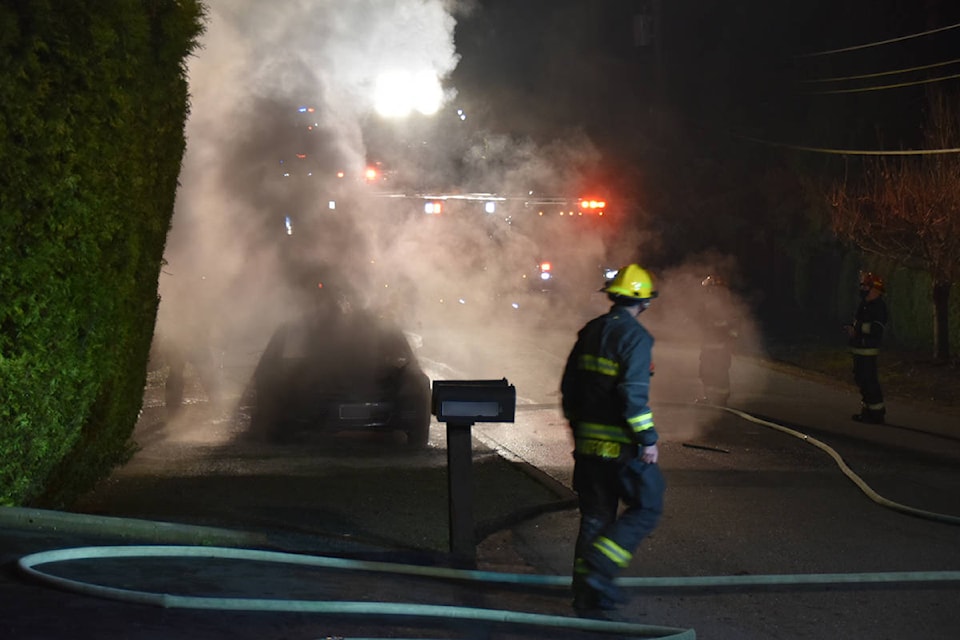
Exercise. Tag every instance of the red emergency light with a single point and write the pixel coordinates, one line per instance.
(593, 205)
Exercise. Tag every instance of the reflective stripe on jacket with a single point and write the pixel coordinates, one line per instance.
(606, 382)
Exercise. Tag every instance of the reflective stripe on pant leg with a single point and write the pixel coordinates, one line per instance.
(643, 489)
(613, 551)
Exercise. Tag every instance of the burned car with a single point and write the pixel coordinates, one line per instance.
(340, 370)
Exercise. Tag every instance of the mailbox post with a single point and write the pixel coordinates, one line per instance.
(460, 404)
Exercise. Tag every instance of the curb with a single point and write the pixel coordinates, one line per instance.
(142, 530)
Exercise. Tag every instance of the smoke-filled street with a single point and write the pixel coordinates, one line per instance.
(744, 496)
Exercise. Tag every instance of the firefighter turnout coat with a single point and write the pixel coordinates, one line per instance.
(606, 385)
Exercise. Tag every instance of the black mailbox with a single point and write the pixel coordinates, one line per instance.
(474, 400)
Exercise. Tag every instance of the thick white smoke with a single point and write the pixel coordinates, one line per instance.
(254, 234)
(284, 95)
(258, 63)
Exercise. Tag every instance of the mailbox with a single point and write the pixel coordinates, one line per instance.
(474, 400)
(461, 403)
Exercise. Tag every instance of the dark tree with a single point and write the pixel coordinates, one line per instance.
(907, 208)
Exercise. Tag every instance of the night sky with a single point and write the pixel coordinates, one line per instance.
(542, 65)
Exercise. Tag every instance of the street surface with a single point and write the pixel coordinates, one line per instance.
(744, 498)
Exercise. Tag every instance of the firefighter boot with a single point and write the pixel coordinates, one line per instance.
(608, 594)
(870, 416)
(589, 602)
(599, 579)
(585, 599)
(719, 399)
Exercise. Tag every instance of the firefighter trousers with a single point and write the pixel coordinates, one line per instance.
(714, 372)
(606, 543)
(867, 379)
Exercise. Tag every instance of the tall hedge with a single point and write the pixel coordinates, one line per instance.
(93, 102)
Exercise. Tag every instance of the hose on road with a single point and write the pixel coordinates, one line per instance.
(412, 611)
(30, 563)
(847, 471)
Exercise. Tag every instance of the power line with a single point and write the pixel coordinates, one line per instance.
(899, 85)
(880, 42)
(865, 76)
(854, 152)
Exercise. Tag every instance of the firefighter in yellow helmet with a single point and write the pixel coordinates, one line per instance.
(605, 396)
(866, 336)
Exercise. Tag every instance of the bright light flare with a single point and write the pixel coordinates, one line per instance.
(397, 94)
(593, 204)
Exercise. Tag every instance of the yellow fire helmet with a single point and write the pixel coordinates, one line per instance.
(632, 281)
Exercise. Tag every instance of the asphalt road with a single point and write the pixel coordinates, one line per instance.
(761, 490)
(749, 494)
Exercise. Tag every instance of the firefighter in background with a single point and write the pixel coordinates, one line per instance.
(866, 336)
(605, 397)
(720, 331)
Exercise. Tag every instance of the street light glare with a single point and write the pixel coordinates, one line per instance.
(399, 93)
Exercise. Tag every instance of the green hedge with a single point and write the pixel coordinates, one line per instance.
(93, 102)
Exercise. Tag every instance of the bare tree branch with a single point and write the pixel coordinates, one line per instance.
(907, 208)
